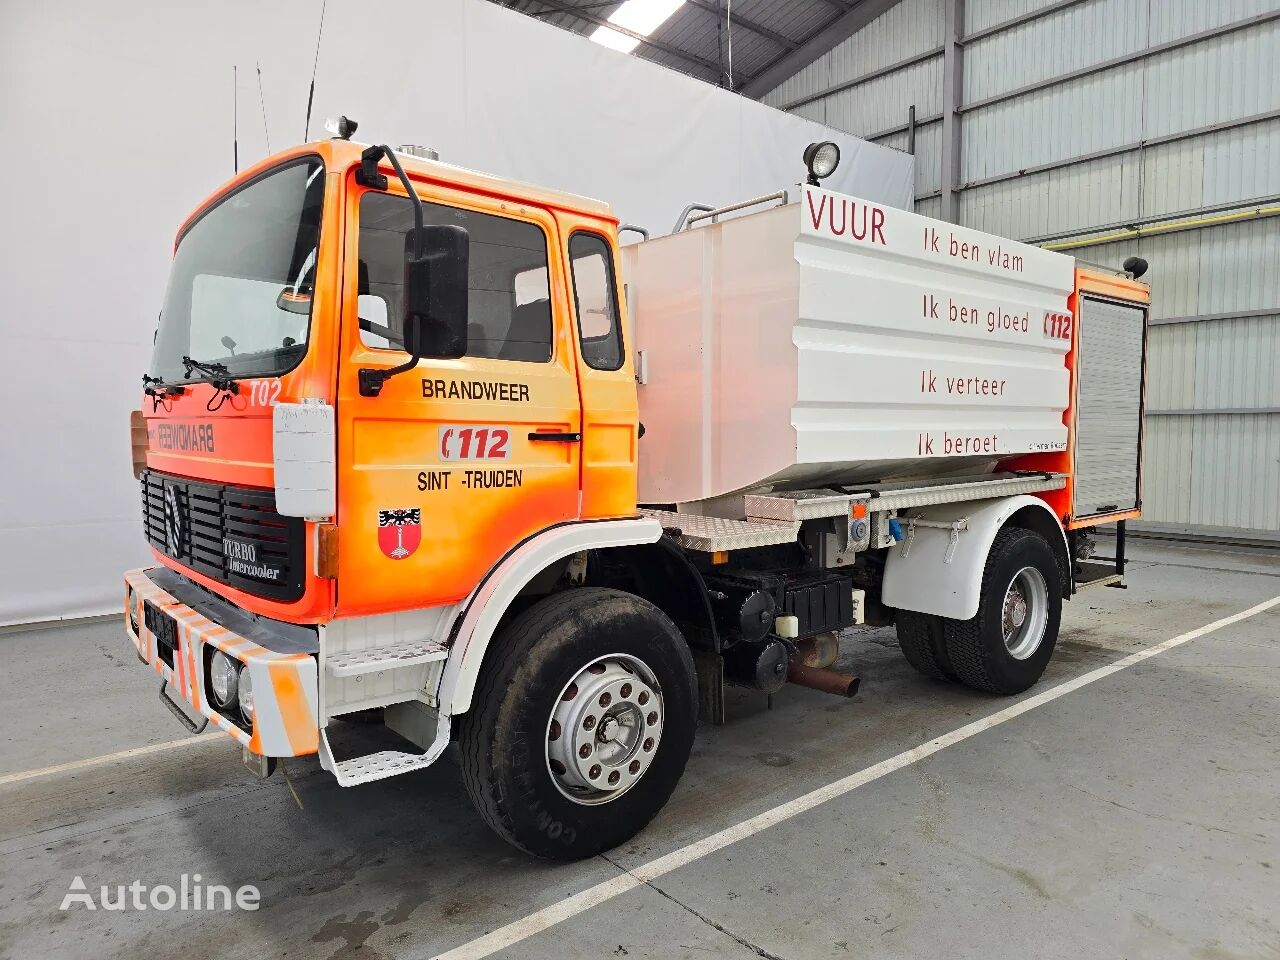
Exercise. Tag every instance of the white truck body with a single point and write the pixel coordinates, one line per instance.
(838, 341)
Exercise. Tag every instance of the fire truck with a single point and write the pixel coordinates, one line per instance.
(432, 449)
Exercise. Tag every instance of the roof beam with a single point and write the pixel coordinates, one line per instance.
(597, 5)
(709, 6)
(824, 40)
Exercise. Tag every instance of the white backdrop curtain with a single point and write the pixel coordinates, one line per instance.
(117, 121)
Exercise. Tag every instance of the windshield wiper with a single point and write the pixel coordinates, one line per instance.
(156, 387)
(217, 373)
(208, 369)
(160, 392)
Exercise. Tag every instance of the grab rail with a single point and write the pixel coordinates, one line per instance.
(685, 213)
(712, 214)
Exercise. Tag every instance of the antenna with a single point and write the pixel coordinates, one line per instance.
(235, 120)
(306, 133)
(263, 100)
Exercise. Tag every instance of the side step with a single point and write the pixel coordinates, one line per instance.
(385, 763)
(412, 652)
(1091, 573)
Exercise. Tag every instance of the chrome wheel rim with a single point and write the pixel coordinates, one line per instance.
(1025, 613)
(604, 729)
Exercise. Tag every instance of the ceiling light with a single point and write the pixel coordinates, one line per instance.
(639, 17)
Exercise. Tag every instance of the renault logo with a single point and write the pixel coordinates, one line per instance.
(175, 520)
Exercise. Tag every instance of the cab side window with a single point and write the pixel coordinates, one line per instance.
(509, 303)
(595, 298)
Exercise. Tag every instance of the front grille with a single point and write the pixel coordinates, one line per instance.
(232, 534)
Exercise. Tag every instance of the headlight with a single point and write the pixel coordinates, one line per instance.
(246, 695)
(222, 678)
(821, 159)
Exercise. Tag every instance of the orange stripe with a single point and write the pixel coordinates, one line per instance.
(180, 661)
(299, 725)
(192, 671)
(236, 734)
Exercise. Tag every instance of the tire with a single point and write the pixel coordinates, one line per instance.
(548, 662)
(920, 637)
(979, 653)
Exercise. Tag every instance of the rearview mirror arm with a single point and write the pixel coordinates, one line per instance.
(371, 380)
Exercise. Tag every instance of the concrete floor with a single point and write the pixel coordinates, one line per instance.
(1136, 817)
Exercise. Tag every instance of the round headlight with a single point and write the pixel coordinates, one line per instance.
(222, 678)
(246, 695)
(822, 160)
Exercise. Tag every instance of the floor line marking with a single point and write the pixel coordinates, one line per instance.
(108, 758)
(518, 930)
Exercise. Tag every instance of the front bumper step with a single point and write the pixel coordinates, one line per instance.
(177, 711)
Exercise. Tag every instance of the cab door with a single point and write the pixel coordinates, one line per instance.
(605, 374)
(457, 461)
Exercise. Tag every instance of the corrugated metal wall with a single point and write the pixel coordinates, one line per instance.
(1077, 118)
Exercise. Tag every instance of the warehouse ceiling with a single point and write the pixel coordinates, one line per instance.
(766, 40)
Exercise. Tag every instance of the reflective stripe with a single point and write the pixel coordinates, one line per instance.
(284, 684)
(299, 725)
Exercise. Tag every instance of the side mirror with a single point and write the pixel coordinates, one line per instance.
(436, 279)
(435, 291)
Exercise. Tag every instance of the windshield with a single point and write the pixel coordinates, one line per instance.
(241, 285)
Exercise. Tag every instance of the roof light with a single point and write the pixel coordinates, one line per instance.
(822, 159)
(1134, 267)
(638, 16)
(341, 127)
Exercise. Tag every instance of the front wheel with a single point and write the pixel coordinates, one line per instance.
(1006, 647)
(582, 723)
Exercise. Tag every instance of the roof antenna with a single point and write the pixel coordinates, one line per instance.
(263, 100)
(306, 133)
(235, 120)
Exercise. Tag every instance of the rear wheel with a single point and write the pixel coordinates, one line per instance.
(1006, 647)
(582, 723)
(920, 637)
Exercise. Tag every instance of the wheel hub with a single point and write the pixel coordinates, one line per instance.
(1017, 610)
(1025, 613)
(604, 729)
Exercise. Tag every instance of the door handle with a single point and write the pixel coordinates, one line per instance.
(556, 437)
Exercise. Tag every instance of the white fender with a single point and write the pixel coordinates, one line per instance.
(927, 573)
(485, 607)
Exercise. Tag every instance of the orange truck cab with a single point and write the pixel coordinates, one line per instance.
(388, 466)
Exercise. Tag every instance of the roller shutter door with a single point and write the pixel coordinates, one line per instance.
(1109, 407)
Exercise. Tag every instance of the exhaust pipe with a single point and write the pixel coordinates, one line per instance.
(827, 681)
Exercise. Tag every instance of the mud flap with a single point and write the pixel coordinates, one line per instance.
(710, 668)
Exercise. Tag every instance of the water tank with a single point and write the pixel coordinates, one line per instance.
(835, 341)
